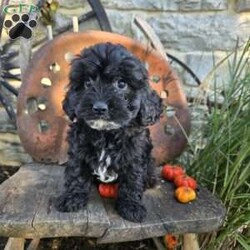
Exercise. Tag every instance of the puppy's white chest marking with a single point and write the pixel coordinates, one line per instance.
(103, 173)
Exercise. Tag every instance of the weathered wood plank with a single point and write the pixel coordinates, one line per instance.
(166, 215)
(190, 242)
(18, 203)
(34, 214)
(123, 230)
(48, 222)
(15, 244)
(34, 244)
(26, 210)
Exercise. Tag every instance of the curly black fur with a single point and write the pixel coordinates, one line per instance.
(110, 104)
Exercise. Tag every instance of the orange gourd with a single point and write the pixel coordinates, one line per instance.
(108, 190)
(170, 172)
(186, 181)
(170, 241)
(185, 194)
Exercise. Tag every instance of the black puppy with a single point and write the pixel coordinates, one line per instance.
(110, 103)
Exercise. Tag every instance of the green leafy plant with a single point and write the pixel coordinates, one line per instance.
(223, 163)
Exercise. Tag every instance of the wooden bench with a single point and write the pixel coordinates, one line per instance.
(27, 211)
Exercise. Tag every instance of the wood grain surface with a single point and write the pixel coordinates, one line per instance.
(26, 210)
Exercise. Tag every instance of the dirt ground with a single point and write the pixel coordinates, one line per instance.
(75, 243)
(85, 244)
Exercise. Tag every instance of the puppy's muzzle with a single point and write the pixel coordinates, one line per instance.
(100, 109)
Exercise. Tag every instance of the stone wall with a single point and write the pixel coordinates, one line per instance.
(199, 32)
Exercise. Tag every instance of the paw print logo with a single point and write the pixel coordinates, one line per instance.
(20, 26)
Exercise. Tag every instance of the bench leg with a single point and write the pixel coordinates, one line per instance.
(34, 244)
(15, 244)
(190, 242)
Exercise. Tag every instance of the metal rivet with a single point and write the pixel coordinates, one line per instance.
(42, 103)
(55, 67)
(41, 106)
(69, 57)
(164, 94)
(46, 82)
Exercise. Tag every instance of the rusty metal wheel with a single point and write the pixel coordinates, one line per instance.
(41, 121)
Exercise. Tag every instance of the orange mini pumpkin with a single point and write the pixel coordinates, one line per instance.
(185, 194)
(170, 241)
(169, 172)
(186, 181)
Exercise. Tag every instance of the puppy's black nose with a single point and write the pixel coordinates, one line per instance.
(100, 108)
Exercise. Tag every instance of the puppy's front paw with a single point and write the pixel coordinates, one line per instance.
(132, 211)
(70, 202)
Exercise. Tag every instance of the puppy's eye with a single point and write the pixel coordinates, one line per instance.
(87, 84)
(121, 85)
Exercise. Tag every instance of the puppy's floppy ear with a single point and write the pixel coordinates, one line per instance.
(69, 103)
(75, 86)
(151, 107)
